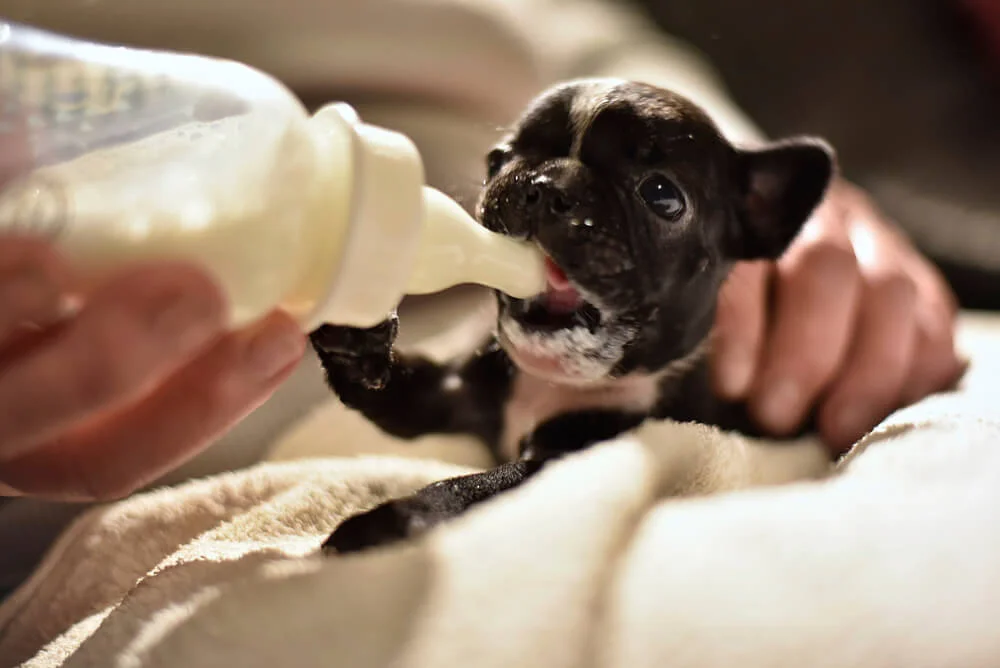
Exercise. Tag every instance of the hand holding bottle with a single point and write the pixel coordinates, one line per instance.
(102, 392)
(138, 166)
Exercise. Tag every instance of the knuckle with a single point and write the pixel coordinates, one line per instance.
(893, 288)
(814, 371)
(876, 387)
(810, 371)
(828, 261)
(817, 365)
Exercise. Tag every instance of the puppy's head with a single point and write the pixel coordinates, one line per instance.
(641, 206)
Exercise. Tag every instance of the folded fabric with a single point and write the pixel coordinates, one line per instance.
(224, 571)
(674, 545)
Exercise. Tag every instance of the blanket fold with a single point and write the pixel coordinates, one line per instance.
(673, 545)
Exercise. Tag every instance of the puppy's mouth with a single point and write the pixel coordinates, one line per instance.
(560, 335)
(561, 306)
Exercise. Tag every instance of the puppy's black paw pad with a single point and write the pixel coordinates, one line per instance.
(355, 357)
(386, 524)
(372, 371)
(355, 341)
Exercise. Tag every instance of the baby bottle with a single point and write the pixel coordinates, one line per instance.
(120, 155)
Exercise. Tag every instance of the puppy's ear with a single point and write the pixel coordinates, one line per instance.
(779, 185)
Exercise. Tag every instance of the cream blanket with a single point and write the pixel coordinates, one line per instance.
(616, 557)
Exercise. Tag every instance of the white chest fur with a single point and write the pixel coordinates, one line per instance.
(534, 400)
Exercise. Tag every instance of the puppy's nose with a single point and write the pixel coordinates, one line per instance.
(542, 193)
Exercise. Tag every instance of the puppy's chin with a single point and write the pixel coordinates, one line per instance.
(563, 335)
(575, 355)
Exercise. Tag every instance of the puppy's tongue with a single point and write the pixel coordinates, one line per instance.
(560, 297)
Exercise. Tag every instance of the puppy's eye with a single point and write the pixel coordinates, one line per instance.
(496, 159)
(663, 197)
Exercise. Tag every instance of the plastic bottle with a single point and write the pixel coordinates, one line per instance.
(120, 155)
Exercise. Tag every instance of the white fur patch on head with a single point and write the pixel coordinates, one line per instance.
(571, 355)
(590, 97)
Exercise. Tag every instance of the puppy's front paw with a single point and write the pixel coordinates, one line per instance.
(356, 357)
(388, 523)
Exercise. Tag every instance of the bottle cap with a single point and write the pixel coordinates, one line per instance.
(384, 223)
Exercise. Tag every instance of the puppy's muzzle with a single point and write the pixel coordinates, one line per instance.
(542, 197)
(523, 204)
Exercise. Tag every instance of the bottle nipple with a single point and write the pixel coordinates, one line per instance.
(455, 249)
(400, 236)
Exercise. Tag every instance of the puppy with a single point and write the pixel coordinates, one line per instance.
(641, 208)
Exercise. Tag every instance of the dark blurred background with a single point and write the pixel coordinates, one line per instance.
(915, 111)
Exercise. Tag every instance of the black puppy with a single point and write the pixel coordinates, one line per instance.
(641, 207)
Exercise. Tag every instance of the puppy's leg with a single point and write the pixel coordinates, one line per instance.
(571, 432)
(356, 359)
(410, 396)
(411, 516)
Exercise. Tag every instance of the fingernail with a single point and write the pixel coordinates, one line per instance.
(780, 405)
(735, 368)
(274, 348)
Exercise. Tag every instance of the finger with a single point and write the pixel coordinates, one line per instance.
(739, 328)
(942, 304)
(937, 366)
(816, 297)
(196, 405)
(34, 285)
(134, 331)
(871, 381)
(935, 295)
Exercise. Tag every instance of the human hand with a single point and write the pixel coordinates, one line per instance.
(852, 320)
(137, 380)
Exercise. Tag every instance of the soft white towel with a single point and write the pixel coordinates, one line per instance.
(616, 557)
